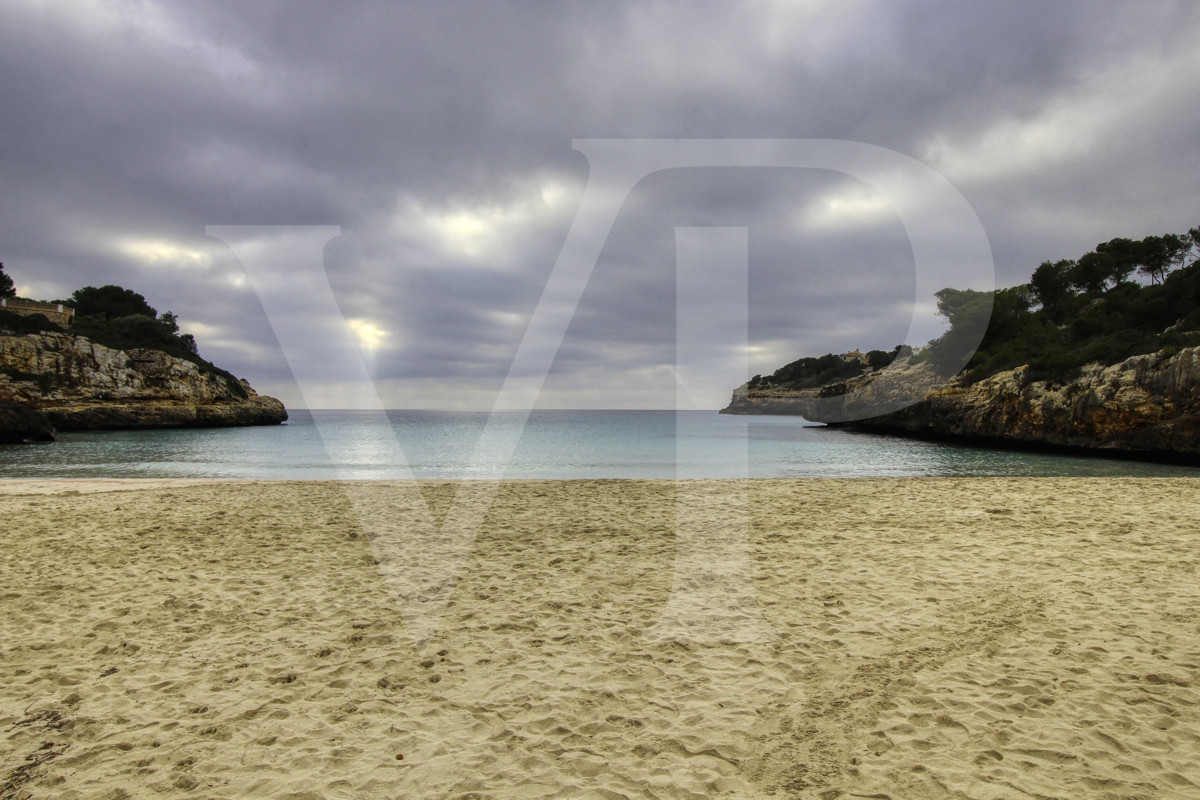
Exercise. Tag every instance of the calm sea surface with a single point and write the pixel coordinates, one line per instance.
(553, 444)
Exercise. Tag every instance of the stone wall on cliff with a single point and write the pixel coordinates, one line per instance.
(80, 385)
(1147, 405)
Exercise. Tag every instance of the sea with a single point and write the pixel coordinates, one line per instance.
(543, 444)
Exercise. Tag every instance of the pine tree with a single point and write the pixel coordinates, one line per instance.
(7, 289)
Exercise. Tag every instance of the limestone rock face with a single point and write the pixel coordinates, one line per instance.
(1147, 404)
(898, 386)
(80, 385)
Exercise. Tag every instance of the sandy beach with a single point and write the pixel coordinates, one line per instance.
(927, 638)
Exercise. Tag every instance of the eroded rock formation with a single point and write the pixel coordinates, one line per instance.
(1145, 405)
(77, 384)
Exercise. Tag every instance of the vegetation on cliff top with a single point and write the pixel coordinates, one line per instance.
(1071, 312)
(121, 319)
(806, 373)
(7, 289)
(1076, 312)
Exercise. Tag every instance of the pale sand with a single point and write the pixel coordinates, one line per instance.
(972, 638)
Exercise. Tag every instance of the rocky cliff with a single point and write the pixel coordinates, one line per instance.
(76, 384)
(870, 395)
(1147, 405)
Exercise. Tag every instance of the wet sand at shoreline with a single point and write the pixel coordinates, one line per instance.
(923, 638)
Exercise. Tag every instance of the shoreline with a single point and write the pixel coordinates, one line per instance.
(52, 486)
(929, 636)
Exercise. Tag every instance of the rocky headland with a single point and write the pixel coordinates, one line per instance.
(59, 381)
(1146, 406)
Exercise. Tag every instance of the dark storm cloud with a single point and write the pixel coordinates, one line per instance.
(439, 137)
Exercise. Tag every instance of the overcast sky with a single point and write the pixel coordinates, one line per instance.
(438, 136)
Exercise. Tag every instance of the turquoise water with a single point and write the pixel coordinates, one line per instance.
(553, 444)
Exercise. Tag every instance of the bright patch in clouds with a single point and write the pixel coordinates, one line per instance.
(848, 207)
(467, 232)
(161, 253)
(369, 335)
(484, 232)
(1012, 147)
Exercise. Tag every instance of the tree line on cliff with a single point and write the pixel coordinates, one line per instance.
(1071, 312)
(1079, 311)
(118, 318)
(811, 371)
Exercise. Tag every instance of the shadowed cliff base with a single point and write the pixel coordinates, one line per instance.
(19, 424)
(1154, 456)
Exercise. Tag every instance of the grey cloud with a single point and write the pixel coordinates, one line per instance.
(145, 122)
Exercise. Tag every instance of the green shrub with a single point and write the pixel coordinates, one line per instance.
(808, 372)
